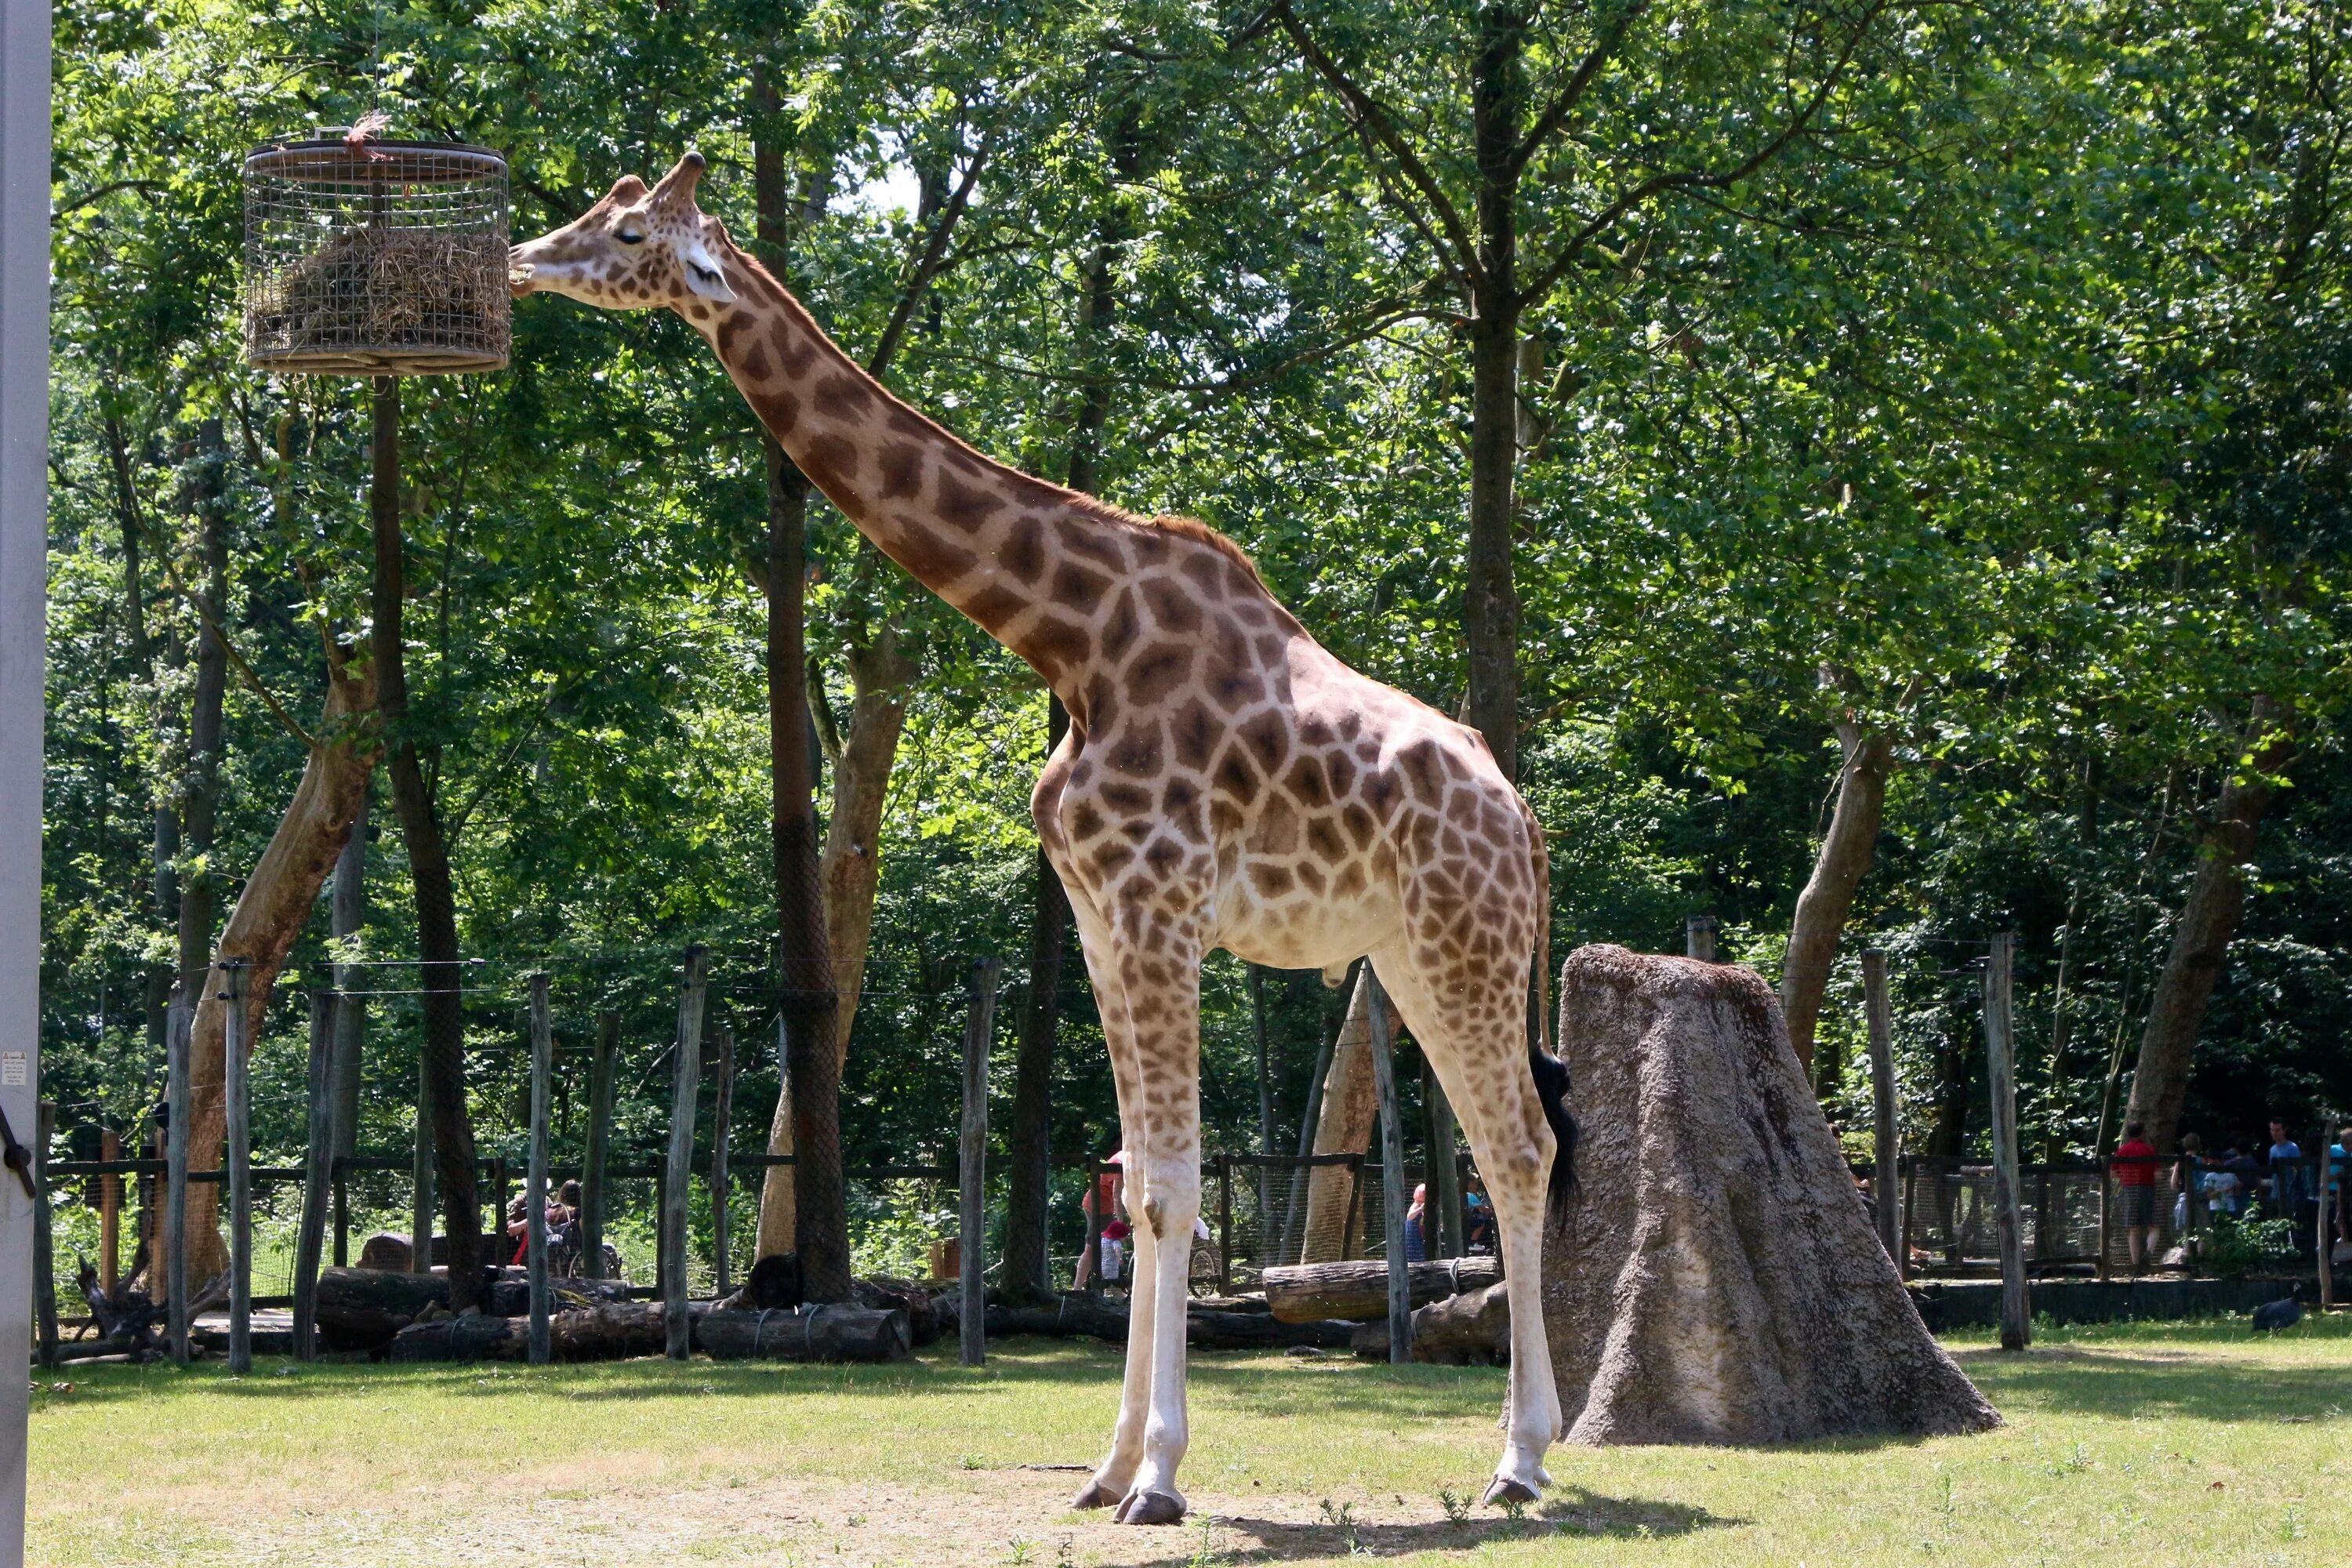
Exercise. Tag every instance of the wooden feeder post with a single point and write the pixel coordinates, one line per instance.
(378, 260)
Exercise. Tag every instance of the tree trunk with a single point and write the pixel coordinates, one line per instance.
(1490, 611)
(1712, 1278)
(270, 913)
(444, 1057)
(1344, 1127)
(200, 787)
(849, 873)
(1845, 856)
(2201, 941)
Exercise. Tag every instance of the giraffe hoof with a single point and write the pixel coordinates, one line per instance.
(1094, 1494)
(1150, 1508)
(1506, 1490)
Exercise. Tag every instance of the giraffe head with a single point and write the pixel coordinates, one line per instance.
(636, 249)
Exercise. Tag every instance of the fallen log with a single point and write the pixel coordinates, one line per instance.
(1306, 1292)
(819, 1332)
(1221, 1330)
(606, 1331)
(1205, 1328)
(471, 1338)
(362, 1308)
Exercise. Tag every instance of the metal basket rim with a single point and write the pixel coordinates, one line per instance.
(388, 359)
(260, 160)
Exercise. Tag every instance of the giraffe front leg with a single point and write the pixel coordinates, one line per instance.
(1114, 1479)
(1172, 1182)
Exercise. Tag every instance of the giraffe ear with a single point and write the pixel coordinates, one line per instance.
(704, 274)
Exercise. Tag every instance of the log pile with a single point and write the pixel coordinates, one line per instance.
(1206, 1327)
(616, 1330)
(1358, 1291)
(362, 1308)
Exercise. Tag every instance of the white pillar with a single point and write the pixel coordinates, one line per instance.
(24, 541)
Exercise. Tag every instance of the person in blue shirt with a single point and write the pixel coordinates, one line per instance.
(2286, 1172)
(2335, 1194)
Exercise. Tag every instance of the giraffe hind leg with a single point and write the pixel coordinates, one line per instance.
(1471, 1029)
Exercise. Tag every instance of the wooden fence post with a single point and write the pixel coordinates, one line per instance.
(2016, 1311)
(317, 1166)
(973, 1173)
(1393, 1200)
(2326, 1240)
(722, 1112)
(1264, 1114)
(687, 1086)
(110, 1212)
(1699, 937)
(1886, 1109)
(600, 1141)
(236, 1085)
(420, 1202)
(179, 1103)
(1443, 1239)
(1224, 1227)
(45, 1255)
(541, 1347)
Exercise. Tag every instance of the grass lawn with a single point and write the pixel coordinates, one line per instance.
(2155, 1444)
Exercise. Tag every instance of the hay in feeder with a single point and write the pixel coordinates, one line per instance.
(379, 288)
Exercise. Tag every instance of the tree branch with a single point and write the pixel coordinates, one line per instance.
(933, 261)
(204, 613)
(1701, 179)
(1381, 128)
(1557, 111)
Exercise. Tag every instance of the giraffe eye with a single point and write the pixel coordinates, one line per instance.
(626, 238)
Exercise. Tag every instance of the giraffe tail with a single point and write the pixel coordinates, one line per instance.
(1550, 1073)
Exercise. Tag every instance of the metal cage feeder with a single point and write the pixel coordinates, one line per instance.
(375, 259)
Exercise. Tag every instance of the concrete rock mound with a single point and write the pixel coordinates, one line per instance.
(1712, 1277)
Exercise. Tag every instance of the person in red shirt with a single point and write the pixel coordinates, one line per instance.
(2135, 1166)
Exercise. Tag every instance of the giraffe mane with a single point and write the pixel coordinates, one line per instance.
(1091, 507)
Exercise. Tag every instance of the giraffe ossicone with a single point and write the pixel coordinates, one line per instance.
(1225, 782)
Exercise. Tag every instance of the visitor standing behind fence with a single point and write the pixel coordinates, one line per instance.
(2135, 1166)
(1417, 1226)
(2286, 1174)
(2335, 1187)
(1102, 1197)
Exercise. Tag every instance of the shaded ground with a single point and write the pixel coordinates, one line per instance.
(2172, 1444)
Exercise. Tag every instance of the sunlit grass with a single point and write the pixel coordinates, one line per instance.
(2170, 1442)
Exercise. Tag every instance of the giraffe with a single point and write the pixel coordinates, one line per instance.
(1225, 782)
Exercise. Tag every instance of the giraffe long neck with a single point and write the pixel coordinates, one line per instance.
(1038, 567)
